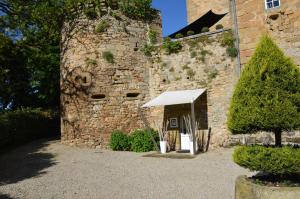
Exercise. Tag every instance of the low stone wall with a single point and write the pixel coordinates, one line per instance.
(244, 189)
(265, 138)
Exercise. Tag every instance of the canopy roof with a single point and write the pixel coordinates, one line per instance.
(207, 20)
(175, 97)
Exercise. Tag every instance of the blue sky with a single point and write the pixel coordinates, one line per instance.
(174, 15)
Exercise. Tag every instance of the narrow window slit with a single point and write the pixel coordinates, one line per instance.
(98, 96)
(132, 95)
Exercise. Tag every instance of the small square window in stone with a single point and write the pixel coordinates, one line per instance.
(272, 3)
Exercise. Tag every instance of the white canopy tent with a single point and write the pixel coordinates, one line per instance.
(178, 97)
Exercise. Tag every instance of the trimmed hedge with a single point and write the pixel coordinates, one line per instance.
(119, 141)
(277, 161)
(138, 141)
(141, 140)
(24, 125)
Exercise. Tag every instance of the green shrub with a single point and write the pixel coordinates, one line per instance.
(116, 16)
(190, 33)
(141, 140)
(90, 62)
(266, 98)
(102, 26)
(185, 67)
(137, 9)
(178, 35)
(205, 29)
(171, 46)
(108, 56)
(277, 161)
(24, 125)
(190, 73)
(231, 51)
(91, 13)
(193, 54)
(204, 39)
(211, 73)
(219, 26)
(119, 141)
(227, 39)
(152, 36)
(148, 49)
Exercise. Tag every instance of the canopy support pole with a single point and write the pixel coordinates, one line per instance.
(193, 126)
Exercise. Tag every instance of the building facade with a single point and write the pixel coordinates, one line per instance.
(106, 77)
(278, 18)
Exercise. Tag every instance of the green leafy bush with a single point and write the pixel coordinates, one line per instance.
(190, 73)
(91, 13)
(171, 46)
(90, 62)
(231, 51)
(190, 33)
(102, 26)
(152, 36)
(119, 141)
(267, 96)
(141, 140)
(108, 56)
(277, 161)
(219, 26)
(116, 16)
(227, 39)
(24, 125)
(137, 9)
(178, 35)
(193, 54)
(148, 49)
(205, 29)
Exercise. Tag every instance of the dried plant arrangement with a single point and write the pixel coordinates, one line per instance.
(162, 129)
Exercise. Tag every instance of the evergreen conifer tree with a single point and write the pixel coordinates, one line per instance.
(267, 96)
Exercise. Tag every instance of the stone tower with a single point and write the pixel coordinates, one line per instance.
(197, 8)
(104, 77)
(255, 18)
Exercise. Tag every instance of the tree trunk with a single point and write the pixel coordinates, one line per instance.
(278, 138)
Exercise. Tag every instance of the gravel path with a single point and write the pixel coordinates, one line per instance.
(51, 170)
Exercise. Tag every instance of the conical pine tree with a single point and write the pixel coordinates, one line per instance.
(267, 96)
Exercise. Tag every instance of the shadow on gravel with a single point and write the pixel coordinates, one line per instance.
(25, 162)
(4, 196)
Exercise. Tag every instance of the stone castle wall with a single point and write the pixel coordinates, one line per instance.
(282, 24)
(97, 96)
(216, 72)
(254, 20)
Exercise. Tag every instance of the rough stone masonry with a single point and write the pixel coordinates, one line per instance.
(105, 78)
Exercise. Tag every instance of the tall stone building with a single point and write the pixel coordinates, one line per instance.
(278, 18)
(106, 76)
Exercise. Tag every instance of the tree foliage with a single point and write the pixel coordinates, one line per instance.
(34, 27)
(277, 161)
(137, 9)
(14, 81)
(267, 96)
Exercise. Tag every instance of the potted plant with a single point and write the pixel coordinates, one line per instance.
(267, 98)
(189, 129)
(163, 136)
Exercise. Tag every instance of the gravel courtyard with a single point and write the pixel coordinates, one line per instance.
(48, 169)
